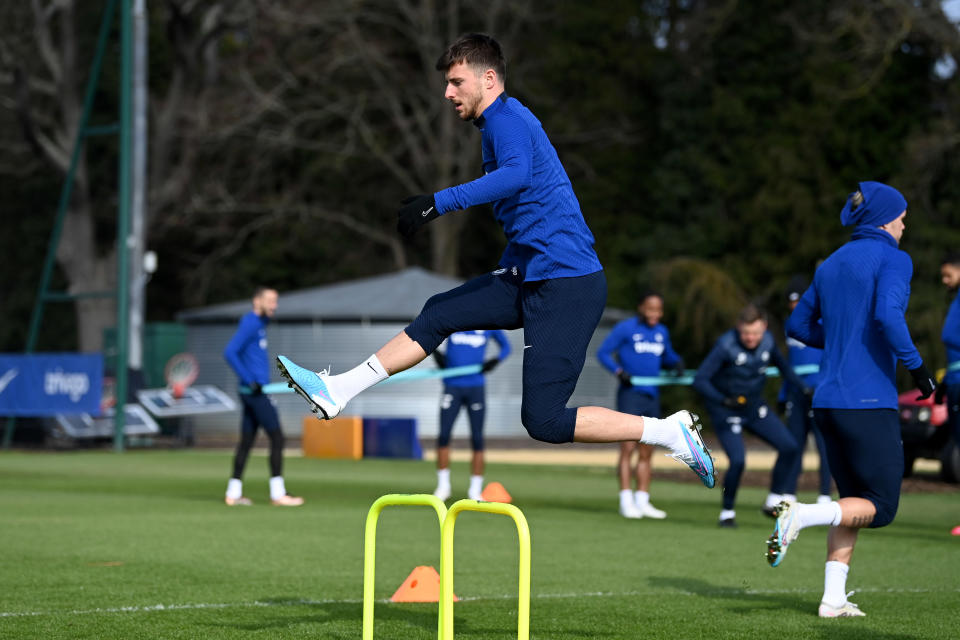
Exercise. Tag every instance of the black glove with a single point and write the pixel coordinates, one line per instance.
(625, 377)
(924, 382)
(941, 394)
(440, 358)
(678, 368)
(490, 365)
(735, 402)
(255, 389)
(415, 212)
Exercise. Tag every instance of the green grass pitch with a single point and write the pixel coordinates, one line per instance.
(140, 545)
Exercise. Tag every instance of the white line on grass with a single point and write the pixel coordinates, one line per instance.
(539, 596)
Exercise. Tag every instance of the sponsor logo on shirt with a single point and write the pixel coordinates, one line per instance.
(470, 339)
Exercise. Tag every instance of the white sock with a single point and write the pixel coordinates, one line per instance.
(626, 498)
(824, 498)
(476, 486)
(819, 515)
(789, 497)
(277, 488)
(773, 499)
(234, 488)
(443, 478)
(363, 376)
(663, 433)
(641, 499)
(835, 583)
(728, 514)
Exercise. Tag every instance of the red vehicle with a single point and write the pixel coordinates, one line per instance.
(926, 434)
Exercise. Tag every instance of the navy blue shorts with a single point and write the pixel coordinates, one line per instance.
(454, 397)
(865, 452)
(637, 403)
(558, 318)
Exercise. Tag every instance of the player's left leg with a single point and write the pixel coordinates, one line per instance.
(475, 399)
(267, 416)
(765, 424)
(450, 403)
(642, 404)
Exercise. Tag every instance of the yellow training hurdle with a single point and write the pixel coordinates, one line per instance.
(448, 520)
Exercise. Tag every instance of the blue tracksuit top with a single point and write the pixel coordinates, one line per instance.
(951, 340)
(246, 353)
(861, 292)
(731, 370)
(468, 347)
(532, 197)
(641, 350)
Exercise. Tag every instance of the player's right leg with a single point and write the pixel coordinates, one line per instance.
(628, 507)
(449, 408)
(728, 426)
(490, 301)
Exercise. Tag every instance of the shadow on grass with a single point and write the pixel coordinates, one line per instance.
(744, 600)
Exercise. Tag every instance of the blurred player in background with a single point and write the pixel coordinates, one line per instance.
(732, 379)
(247, 355)
(463, 349)
(639, 346)
(797, 407)
(549, 281)
(854, 311)
(950, 389)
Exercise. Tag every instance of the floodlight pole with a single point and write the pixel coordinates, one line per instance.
(124, 240)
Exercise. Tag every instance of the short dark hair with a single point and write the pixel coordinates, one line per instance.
(951, 258)
(750, 314)
(476, 50)
(647, 293)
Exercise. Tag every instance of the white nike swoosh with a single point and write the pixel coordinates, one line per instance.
(527, 346)
(425, 213)
(8, 378)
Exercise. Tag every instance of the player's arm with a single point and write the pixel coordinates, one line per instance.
(608, 348)
(708, 368)
(670, 358)
(804, 323)
(513, 148)
(786, 371)
(893, 294)
(951, 328)
(246, 332)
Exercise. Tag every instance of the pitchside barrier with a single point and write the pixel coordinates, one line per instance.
(448, 520)
(662, 380)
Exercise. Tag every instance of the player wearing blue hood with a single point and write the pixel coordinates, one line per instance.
(854, 311)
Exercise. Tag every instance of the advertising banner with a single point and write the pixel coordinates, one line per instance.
(46, 384)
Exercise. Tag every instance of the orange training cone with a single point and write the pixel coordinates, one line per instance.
(494, 492)
(422, 585)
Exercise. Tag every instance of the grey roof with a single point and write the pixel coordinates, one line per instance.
(389, 297)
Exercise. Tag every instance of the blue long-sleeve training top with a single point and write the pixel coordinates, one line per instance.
(640, 350)
(951, 340)
(469, 347)
(246, 353)
(732, 370)
(532, 197)
(861, 292)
